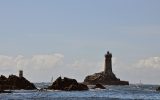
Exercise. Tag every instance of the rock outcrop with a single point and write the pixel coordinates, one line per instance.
(158, 89)
(14, 82)
(67, 84)
(100, 86)
(107, 77)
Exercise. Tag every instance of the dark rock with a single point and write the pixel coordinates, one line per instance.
(15, 82)
(99, 86)
(2, 91)
(67, 84)
(2, 78)
(78, 87)
(158, 89)
(103, 79)
(82, 86)
(106, 77)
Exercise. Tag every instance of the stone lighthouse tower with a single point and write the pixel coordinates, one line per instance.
(108, 64)
(107, 77)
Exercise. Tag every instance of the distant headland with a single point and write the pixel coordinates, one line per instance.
(107, 77)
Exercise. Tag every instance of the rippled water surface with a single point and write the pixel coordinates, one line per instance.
(110, 93)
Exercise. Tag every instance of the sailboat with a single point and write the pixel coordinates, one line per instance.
(140, 83)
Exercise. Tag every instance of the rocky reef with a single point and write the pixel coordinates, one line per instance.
(67, 84)
(14, 82)
(106, 77)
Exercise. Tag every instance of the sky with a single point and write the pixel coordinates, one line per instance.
(69, 38)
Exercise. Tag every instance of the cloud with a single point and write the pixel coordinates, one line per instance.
(133, 71)
(115, 61)
(151, 62)
(46, 61)
(6, 62)
(41, 61)
(82, 63)
(92, 66)
(42, 67)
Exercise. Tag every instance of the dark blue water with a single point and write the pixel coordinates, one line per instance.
(130, 92)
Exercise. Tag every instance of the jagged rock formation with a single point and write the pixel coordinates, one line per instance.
(107, 77)
(14, 82)
(67, 84)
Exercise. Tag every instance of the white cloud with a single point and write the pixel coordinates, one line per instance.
(6, 62)
(46, 61)
(43, 66)
(42, 61)
(92, 66)
(82, 63)
(152, 62)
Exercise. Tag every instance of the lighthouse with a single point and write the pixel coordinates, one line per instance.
(20, 73)
(108, 63)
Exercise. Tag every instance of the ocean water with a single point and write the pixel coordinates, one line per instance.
(131, 92)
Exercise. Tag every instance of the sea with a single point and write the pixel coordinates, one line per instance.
(131, 92)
